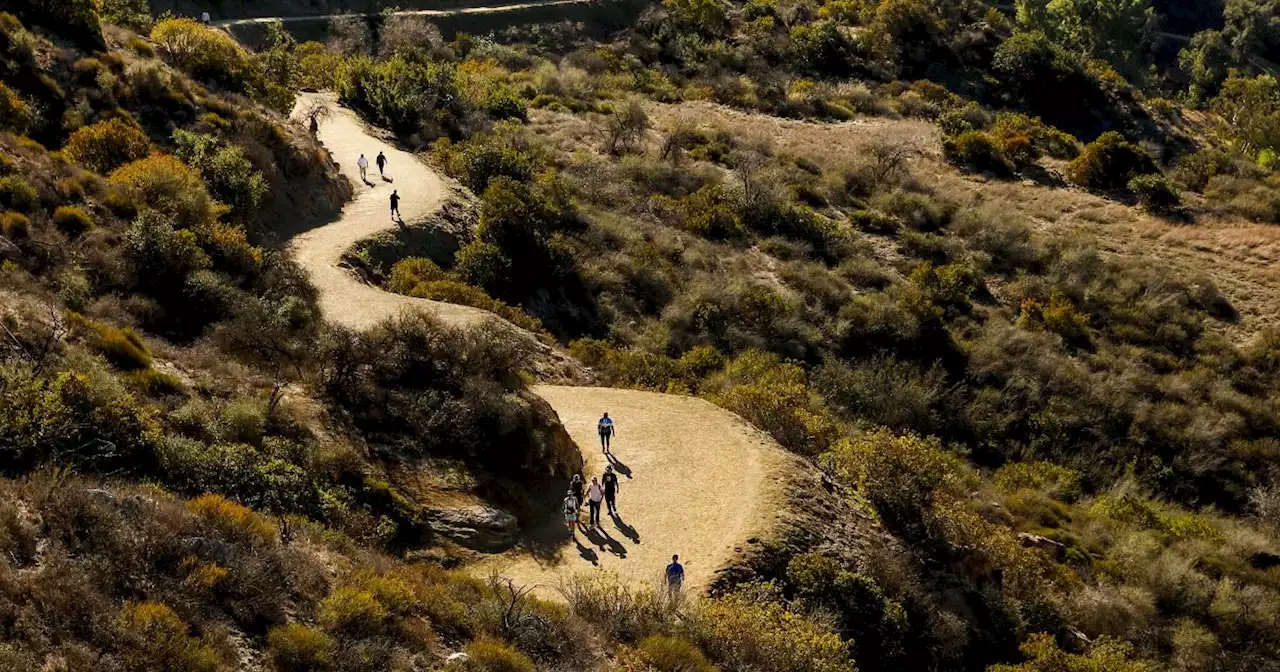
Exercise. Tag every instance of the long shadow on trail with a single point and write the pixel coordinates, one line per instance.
(602, 540)
(626, 530)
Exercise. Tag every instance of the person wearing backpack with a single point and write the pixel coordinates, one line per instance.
(610, 481)
(595, 497)
(570, 509)
(576, 486)
(605, 427)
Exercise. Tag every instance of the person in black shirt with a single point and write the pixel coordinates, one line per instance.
(610, 480)
(382, 163)
(395, 204)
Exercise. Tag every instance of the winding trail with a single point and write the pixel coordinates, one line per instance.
(695, 479)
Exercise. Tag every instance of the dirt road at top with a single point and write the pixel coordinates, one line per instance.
(696, 480)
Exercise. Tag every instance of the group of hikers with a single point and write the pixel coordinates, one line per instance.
(381, 160)
(602, 492)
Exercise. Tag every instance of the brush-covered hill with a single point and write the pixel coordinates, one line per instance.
(1004, 272)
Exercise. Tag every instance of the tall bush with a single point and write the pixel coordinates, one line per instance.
(107, 145)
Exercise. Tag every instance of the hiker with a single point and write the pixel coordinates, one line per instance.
(382, 163)
(605, 427)
(610, 480)
(570, 509)
(205, 18)
(595, 497)
(395, 204)
(675, 575)
(363, 163)
(576, 486)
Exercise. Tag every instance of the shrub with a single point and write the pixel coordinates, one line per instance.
(487, 654)
(483, 158)
(752, 631)
(72, 220)
(15, 225)
(1109, 163)
(406, 95)
(673, 654)
(15, 114)
(229, 176)
(124, 348)
(233, 520)
(775, 397)
(1105, 655)
(299, 648)
(1155, 192)
(409, 272)
(163, 183)
(107, 145)
(159, 255)
(157, 639)
(17, 194)
(976, 150)
(483, 265)
(1053, 480)
(709, 213)
(206, 54)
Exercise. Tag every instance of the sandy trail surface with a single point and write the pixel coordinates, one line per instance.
(696, 480)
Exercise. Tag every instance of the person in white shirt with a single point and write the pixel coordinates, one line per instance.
(605, 426)
(595, 497)
(204, 18)
(363, 163)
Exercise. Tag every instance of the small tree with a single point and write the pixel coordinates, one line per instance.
(625, 127)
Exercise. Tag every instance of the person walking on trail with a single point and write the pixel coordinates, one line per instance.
(395, 205)
(382, 163)
(610, 481)
(605, 427)
(570, 510)
(577, 487)
(205, 18)
(675, 575)
(363, 163)
(595, 497)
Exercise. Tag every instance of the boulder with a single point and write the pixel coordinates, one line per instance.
(478, 527)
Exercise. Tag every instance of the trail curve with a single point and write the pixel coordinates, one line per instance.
(696, 480)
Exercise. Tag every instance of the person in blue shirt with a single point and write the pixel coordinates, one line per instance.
(675, 575)
(605, 427)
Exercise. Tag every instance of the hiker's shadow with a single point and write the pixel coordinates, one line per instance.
(367, 183)
(602, 539)
(626, 530)
(387, 179)
(586, 552)
(619, 466)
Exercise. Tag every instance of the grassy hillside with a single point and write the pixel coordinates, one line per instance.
(1003, 273)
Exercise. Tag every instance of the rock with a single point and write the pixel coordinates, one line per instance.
(459, 657)
(1055, 549)
(478, 527)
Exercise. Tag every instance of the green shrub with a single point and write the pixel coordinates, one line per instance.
(484, 157)
(1155, 192)
(1054, 480)
(1109, 163)
(72, 220)
(1107, 654)
(405, 95)
(487, 654)
(409, 272)
(709, 213)
(17, 194)
(107, 145)
(483, 265)
(298, 648)
(775, 397)
(673, 654)
(15, 225)
(159, 255)
(16, 115)
(976, 150)
(229, 176)
(132, 14)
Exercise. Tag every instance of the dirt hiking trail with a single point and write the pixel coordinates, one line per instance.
(695, 479)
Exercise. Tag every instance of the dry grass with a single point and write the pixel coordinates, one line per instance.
(1238, 255)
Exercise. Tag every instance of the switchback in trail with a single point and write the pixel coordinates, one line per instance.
(695, 479)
